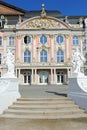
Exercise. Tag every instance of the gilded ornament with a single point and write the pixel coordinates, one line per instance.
(43, 47)
(26, 48)
(40, 23)
(59, 48)
(43, 12)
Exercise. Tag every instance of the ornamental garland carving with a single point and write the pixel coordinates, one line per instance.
(41, 23)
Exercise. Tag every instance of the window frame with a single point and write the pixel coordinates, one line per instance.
(43, 36)
(28, 40)
(0, 40)
(60, 56)
(58, 39)
(11, 41)
(75, 41)
(1, 25)
(43, 56)
(27, 57)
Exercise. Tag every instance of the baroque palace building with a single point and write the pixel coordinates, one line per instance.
(43, 43)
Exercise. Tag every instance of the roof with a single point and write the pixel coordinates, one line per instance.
(35, 13)
(9, 9)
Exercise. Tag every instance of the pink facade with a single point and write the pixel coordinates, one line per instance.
(43, 46)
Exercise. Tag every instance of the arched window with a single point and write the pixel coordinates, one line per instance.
(43, 39)
(27, 39)
(59, 39)
(43, 56)
(75, 40)
(27, 56)
(0, 41)
(60, 56)
(0, 58)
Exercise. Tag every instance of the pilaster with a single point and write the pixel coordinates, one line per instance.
(67, 47)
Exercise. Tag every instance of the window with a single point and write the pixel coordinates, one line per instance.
(27, 39)
(27, 56)
(75, 40)
(43, 39)
(43, 56)
(0, 41)
(60, 56)
(59, 39)
(0, 23)
(11, 41)
(0, 58)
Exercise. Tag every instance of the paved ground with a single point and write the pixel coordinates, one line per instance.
(22, 124)
(42, 91)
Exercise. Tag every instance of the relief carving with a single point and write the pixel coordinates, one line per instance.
(43, 23)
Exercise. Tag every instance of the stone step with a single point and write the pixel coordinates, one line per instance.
(70, 116)
(35, 113)
(43, 103)
(44, 109)
(43, 99)
(40, 107)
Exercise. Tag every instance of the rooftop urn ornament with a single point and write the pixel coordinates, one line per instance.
(43, 12)
(85, 22)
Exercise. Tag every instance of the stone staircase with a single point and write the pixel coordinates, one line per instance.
(55, 108)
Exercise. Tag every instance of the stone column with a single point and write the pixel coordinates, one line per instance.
(54, 76)
(51, 76)
(65, 79)
(32, 76)
(16, 72)
(19, 72)
(68, 72)
(35, 76)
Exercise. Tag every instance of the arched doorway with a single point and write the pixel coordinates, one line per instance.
(60, 77)
(43, 77)
(27, 77)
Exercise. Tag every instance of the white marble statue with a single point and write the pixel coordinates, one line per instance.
(81, 78)
(78, 60)
(9, 61)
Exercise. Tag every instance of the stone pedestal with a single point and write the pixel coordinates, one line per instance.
(78, 90)
(8, 92)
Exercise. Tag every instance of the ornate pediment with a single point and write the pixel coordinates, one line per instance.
(43, 23)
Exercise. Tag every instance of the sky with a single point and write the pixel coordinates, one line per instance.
(66, 7)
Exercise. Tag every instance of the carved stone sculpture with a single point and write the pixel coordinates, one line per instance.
(78, 60)
(9, 61)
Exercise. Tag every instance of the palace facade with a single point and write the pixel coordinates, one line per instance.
(43, 43)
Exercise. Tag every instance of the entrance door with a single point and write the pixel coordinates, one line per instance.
(60, 77)
(43, 77)
(27, 78)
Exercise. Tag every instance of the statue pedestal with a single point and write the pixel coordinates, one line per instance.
(78, 90)
(8, 92)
